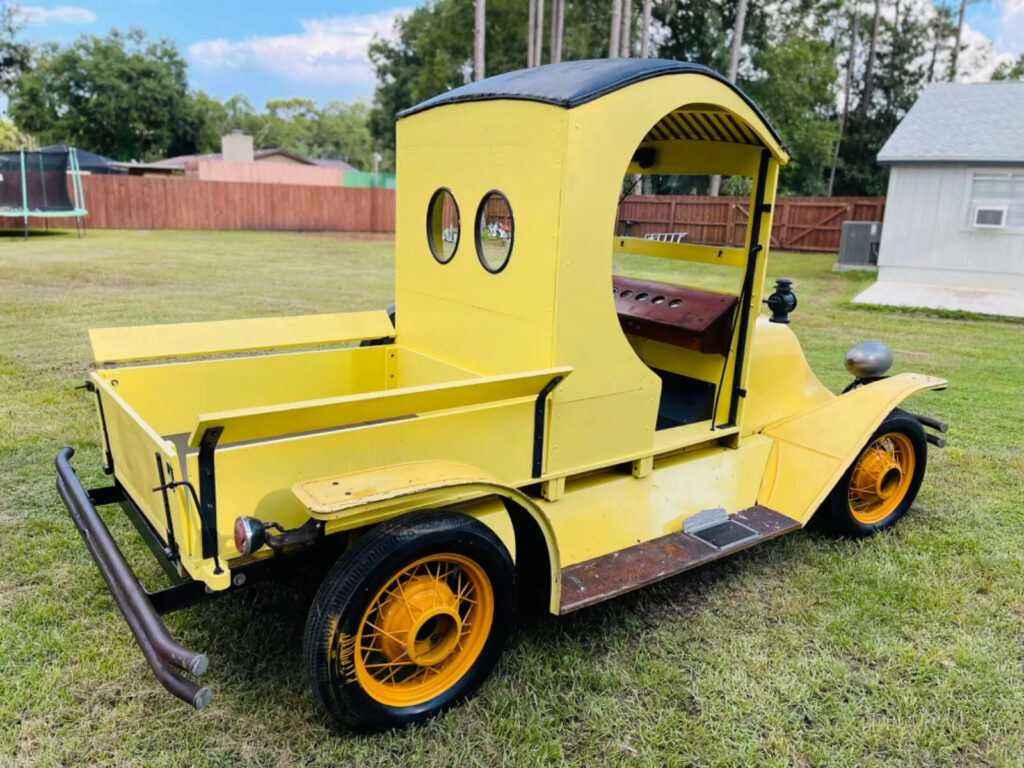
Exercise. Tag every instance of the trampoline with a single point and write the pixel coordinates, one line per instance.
(35, 185)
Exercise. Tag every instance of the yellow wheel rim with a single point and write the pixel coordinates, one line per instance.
(881, 478)
(423, 630)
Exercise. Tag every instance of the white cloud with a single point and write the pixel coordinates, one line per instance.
(978, 59)
(63, 14)
(326, 51)
(1011, 27)
(979, 56)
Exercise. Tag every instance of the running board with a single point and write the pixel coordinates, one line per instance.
(601, 578)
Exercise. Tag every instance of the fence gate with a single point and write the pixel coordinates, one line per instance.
(799, 223)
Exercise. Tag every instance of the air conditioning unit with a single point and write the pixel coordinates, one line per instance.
(990, 216)
(858, 244)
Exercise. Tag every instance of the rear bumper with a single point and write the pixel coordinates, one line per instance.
(168, 660)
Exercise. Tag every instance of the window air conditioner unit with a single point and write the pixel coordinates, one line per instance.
(990, 216)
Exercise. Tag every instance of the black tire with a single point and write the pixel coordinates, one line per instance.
(355, 585)
(836, 516)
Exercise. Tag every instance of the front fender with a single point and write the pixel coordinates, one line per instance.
(813, 449)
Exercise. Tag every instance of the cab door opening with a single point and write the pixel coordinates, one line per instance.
(682, 275)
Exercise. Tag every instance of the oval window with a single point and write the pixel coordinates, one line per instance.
(495, 228)
(443, 225)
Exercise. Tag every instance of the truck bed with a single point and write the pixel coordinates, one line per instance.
(240, 431)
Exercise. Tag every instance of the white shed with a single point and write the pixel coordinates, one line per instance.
(953, 236)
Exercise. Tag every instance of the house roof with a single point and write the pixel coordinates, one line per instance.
(178, 161)
(961, 123)
(572, 83)
(327, 162)
(261, 153)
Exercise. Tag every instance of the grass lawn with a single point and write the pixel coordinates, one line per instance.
(905, 649)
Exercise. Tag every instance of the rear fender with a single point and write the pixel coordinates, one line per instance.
(354, 500)
(813, 449)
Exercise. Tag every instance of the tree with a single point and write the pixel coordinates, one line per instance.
(851, 57)
(645, 29)
(735, 49)
(940, 28)
(479, 22)
(1010, 70)
(557, 30)
(795, 85)
(901, 72)
(531, 33)
(959, 37)
(429, 55)
(217, 118)
(869, 70)
(15, 56)
(336, 130)
(538, 35)
(291, 124)
(616, 30)
(699, 30)
(12, 139)
(120, 95)
(345, 134)
(790, 72)
(626, 36)
(586, 29)
(431, 50)
(535, 33)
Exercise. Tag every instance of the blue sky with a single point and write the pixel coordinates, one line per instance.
(315, 49)
(265, 50)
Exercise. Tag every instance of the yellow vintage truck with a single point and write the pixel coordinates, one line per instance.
(528, 429)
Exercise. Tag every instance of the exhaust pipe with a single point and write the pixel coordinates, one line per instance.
(165, 656)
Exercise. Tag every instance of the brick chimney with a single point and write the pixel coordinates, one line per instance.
(236, 147)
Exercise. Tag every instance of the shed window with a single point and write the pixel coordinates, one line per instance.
(992, 192)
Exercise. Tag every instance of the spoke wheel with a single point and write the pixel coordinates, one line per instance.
(423, 629)
(881, 484)
(881, 478)
(410, 621)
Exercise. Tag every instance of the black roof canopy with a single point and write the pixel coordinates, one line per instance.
(572, 83)
(87, 161)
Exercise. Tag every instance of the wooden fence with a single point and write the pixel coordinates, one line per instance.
(799, 223)
(173, 202)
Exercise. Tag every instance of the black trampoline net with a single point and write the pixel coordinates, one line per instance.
(46, 182)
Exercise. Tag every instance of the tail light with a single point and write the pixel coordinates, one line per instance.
(250, 535)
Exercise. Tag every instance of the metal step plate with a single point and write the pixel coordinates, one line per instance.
(726, 535)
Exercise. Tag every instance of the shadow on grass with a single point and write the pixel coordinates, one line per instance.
(254, 637)
(12, 233)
